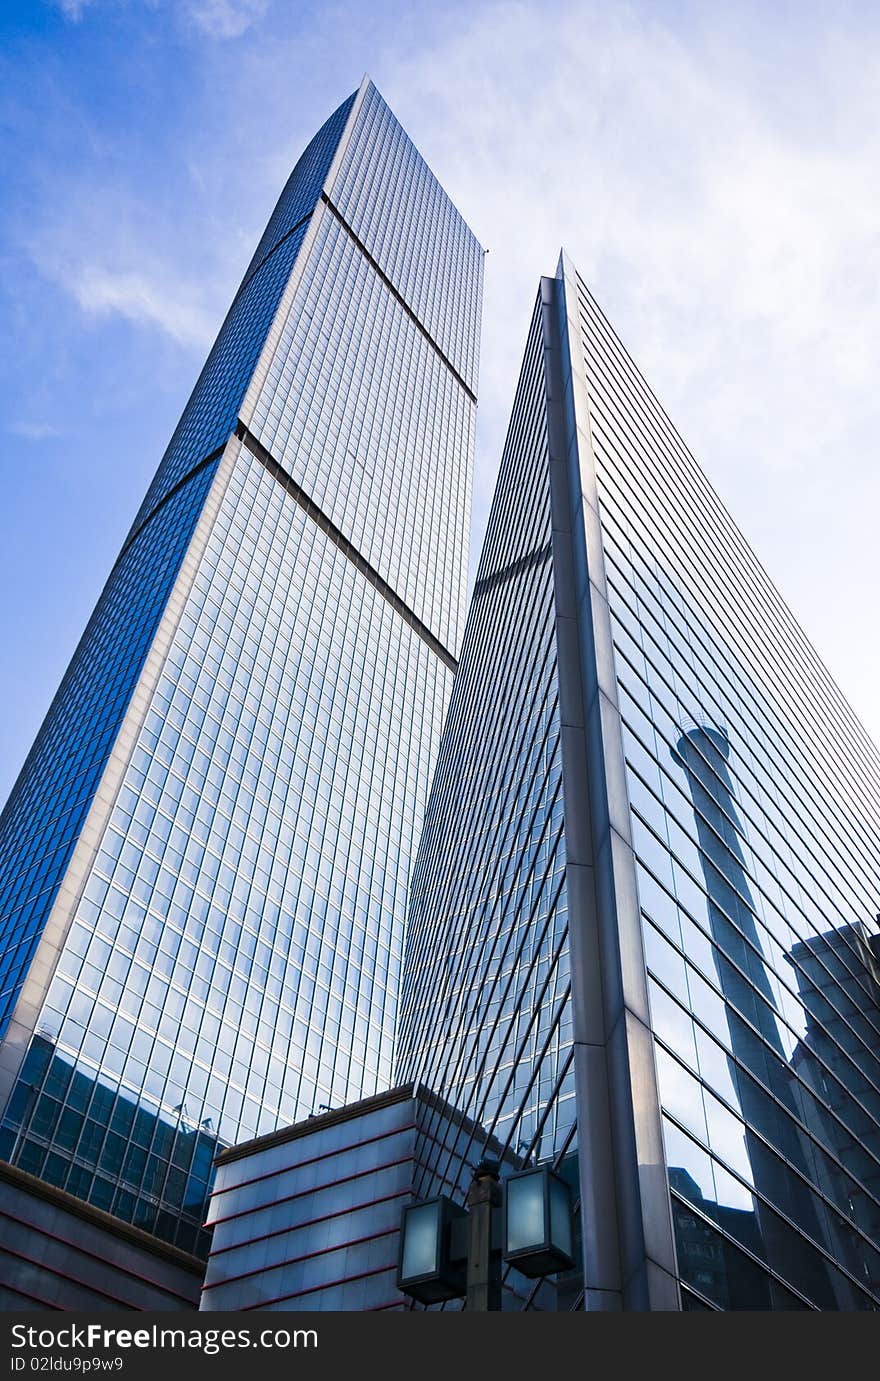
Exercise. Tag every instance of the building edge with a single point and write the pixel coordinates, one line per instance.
(23, 1019)
(25, 1015)
(629, 1247)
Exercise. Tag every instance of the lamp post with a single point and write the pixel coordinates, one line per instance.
(450, 1252)
(484, 1257)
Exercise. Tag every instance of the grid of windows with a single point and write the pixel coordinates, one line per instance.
(399, 211)
(45, 812)
(214, 404)
(354, 392)
(235, 958)
(48, 805)
(210, 414)
(305, 184)
(485, 1018)
(753, 795)
(233, 961)
(752, 792)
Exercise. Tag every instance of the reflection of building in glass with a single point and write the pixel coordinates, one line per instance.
(758, 1068)
(508, 940)
(94, 1134)
(647, 947)
(203, 865)
(709, 1261)
(59, 1252)
(841, 1013)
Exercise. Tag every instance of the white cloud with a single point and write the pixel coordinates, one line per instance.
(116, 255)
(714, 185)
(221, 19)
(225, 18)
(157, 301)
(725, 218)
(73, 9)
(35, 431)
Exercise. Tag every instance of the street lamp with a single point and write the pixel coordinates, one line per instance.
(430, 1268)
(447, 1252)
(537, 1223)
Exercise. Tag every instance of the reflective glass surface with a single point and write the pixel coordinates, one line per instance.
(392, 299)
(409, 226)
(234, 958)
(362, 412)
(754, 812)
(48, 804)
(754, 804)
(485, 1017)
(210, 414)
(42, 819)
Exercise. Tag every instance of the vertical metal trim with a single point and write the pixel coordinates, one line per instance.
(603, 1284)
(627, 1216)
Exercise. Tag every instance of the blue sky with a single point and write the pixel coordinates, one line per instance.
(711, 169)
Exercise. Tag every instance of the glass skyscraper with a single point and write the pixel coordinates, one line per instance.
(643, 932)
(204, 862)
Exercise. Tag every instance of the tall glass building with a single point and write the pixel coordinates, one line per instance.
(204, 862)
(643, 934)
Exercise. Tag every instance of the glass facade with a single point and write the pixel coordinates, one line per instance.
(753, 794)
(485, 1014)
(744, 812)
(231, 957)
(42, 819)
